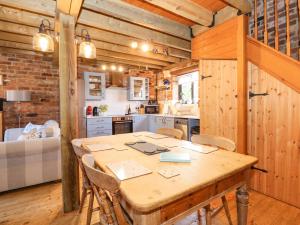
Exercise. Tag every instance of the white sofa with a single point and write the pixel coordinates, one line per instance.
(28, 162)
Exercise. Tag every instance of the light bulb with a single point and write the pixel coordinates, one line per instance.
(103, 67)
(87, 51)
(44, 45)
(134, 44)
(145, 47)
(113, 67)
(120, 69)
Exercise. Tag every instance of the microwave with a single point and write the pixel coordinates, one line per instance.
(151, 109)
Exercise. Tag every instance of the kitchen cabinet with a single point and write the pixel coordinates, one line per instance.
(99, 126)
(156, 122)
(140, 123)
(94, 86)
(138, 89)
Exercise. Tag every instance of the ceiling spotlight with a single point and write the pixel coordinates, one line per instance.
(134, 44)
(113, 67)
(145, 47)
(120, 69)
(103, 67)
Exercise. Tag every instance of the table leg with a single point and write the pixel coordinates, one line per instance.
(242, 200)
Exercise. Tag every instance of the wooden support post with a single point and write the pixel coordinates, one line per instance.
(242, 88)
(68, 111)
(276, 25)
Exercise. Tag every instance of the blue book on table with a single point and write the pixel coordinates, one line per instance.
(175, 157)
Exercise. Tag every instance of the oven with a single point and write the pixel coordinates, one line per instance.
(151, 109)
(122, 125)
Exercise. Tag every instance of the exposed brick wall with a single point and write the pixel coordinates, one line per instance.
(37, 73)
(32, 72)
(294, 26)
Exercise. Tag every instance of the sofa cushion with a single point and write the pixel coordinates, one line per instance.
(12, 134)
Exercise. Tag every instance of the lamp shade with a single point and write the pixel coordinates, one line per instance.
(87, 50)
(18, 96)
(43, 42)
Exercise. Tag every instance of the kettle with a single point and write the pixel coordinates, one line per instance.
(89, 110)
(95, 111)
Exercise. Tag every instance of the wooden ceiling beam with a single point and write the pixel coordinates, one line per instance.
(138, 16)
(69, 7)
(117, 26)
(107, 59)
(243, 5)
(23, 17)
(130, 57)
(44, 7)
(187, 9)
(124, 40)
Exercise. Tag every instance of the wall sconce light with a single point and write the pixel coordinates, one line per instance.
(86, 48)
(42, 41)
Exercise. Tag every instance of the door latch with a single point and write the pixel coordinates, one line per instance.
(251, 94)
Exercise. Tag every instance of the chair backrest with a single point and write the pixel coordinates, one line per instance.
(171, 132)
(218, 141)
(104, 182)
(97, 177)
(79, 151)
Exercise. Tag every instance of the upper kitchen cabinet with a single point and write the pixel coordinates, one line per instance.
(94, 86)
(138, 89)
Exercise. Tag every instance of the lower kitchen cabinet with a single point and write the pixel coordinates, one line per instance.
(140, 123)
(98, 127)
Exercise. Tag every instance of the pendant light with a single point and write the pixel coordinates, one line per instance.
(42, 41)
(86, 48)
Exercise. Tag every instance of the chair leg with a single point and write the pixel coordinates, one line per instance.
(227, 212)
(202, 216)
(90, 208)
(83, 197)
(208, 215)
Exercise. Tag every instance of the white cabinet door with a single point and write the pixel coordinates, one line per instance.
(140, 123)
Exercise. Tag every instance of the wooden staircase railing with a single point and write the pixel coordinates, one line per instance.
(266, 21)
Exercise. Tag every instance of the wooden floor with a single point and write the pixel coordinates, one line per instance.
(42, 205)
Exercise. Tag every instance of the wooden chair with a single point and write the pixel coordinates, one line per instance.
(207, 213)
(171, 132)
(86, 186)
(106, 188)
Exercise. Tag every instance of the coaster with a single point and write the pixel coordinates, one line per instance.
(168, 172)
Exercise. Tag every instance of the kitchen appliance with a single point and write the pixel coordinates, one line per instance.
(186, 125)
(151, 109)
(122, 124)
(89, 110)
(95, 111)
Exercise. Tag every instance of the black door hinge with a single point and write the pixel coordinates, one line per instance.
(251, 94)
(204, 77)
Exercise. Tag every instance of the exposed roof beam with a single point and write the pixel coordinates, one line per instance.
(23, 17)
(69, 7)
(107, 59)
(183, 64)
(45, 7)
(138, 16)
(243, 5)
(111, 24)
(187, 9)
(124, 40)
(130, 57)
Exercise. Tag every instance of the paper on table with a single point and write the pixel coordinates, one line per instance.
(169, 143)
(128, 169)
(156, 136)
(200, 148)
(120, 147)
(99, 147)
(168, 172)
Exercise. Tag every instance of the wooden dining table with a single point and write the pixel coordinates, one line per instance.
(153, 199)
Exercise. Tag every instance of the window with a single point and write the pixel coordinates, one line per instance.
(187, 88)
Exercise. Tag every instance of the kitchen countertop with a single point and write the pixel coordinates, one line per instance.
(165, 115)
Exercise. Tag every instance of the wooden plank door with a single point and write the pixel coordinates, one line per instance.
(218, 97)
(274, 136)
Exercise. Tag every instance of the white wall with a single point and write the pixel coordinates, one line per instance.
(116, 99)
